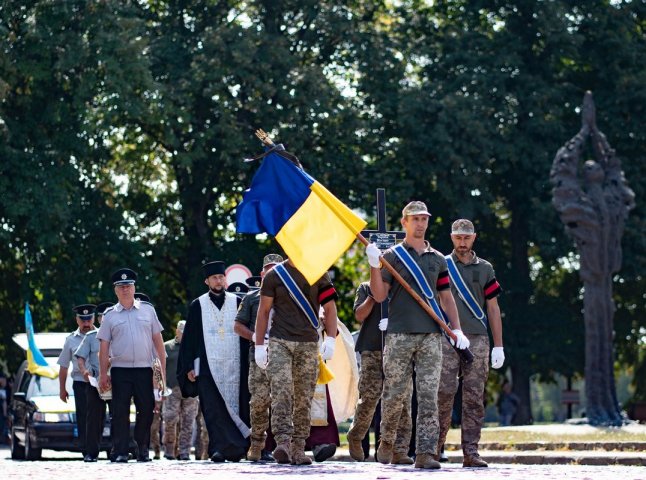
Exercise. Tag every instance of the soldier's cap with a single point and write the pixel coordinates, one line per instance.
(238, 287)
(415, 208)
(462, 226)
(271, 259)
(102, 307)
(213, 268)
(254, 282)
(180, 326)
(142, 297)
(85, 311)
(124, 276)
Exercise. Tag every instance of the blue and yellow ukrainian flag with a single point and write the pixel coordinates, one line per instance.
(312, 225)
(36, 363)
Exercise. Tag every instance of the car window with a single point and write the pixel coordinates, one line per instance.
(24, 381)
(43, 386)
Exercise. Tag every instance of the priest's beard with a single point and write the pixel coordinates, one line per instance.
(217, 292)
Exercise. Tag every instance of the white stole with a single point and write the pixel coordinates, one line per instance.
(222, 348)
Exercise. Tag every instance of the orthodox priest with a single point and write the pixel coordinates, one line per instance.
(213, 363)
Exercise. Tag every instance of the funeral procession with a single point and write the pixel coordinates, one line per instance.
(354, 240)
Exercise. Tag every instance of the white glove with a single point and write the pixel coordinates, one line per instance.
(461, 341)
(253, 337)
(497, 357)
(261, 356)
(327, 348)
(373, 253)
(383, 324)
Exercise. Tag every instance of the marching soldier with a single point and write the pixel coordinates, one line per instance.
(178, 411)
(474, 284)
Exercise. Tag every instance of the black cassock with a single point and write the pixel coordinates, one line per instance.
(224, 435)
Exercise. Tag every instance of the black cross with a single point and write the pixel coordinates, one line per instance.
(383, 238)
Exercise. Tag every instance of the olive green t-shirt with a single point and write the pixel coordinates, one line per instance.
(289, 322)
(405, 315)
(480, 278)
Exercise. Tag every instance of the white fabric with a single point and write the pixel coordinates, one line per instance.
(383, 324)
(222, 346)
(461, 341)
(497, 357)
(373, 253)
(344, 388)
(318, 416)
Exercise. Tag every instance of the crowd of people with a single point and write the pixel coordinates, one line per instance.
(247, 368)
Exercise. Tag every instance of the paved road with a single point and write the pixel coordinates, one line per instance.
(67, 466)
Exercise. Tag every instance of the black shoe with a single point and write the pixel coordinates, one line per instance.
(233, 459)
(266, 456)
(324, 451)
(184, 457)
(89, 458)
(121, 459)
(217, 457)
(144, 458)
(443, 457)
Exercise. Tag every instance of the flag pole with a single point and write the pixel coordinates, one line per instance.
(466, 353)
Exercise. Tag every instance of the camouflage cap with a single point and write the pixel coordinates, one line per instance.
(415, 208)
(462, 226)
(271, 259)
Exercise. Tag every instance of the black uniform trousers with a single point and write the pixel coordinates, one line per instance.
(80, 403)
(126, 384)
(95, 421)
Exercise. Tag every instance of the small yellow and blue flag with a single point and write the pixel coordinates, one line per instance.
(36, 363)
(313, 226)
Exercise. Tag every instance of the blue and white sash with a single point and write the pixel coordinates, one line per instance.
(464, 293)
(297, 295)
(413, 268)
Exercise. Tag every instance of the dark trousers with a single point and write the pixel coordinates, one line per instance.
(80, 402)
(95, 421)
(130, 383)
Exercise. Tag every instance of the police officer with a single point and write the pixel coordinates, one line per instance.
(131, 333)
(85, 322)
(476, 291)
(177, 410)
(87, 356)
(260, 402)
(413, 339)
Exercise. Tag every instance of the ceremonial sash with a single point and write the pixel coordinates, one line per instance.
(464, 293)
(297, 295)
(413, 268)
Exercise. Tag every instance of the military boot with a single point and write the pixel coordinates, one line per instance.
(255, 451)
(473, 460)
(281, 453)
(356, 449)
(385, 452)
(425, 460)
(298, 455)
(401, 458)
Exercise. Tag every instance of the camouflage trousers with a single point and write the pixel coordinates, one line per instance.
(202, 436)
(474, 377)
(370, 387)
(402, 352)
(155, 427)
(260, 402)
(179, 412)
(293, 369)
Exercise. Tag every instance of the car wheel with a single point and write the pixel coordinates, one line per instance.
(30, 452)
(17, 451)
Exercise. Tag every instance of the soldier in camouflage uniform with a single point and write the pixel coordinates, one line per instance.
(176, 408)
(258, 381)
(413, 339)
(478, 275)
(367, 312)
(292, 361)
